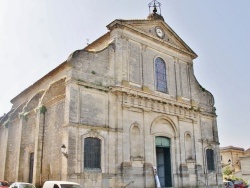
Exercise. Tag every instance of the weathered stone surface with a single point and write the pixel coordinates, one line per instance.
(107, 91)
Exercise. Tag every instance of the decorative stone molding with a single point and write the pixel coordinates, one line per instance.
(136, 158)
(146, 89)
(123, 25)
(190, 161)
(55, 100)
(150, 102)
(209, 142)
(125, 83)
(92, 86)
(179, 98)
(94, 134)
(6, 123)
(193, 103)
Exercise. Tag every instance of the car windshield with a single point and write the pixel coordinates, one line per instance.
(70, 186)
(27, 186)
(4, 183)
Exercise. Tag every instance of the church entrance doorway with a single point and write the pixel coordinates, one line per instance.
(163, 160)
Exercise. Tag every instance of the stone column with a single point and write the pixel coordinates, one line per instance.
(19, 172)
(38, 153)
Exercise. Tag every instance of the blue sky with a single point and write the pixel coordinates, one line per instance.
(36, 36)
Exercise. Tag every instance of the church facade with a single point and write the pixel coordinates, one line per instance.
(125, 111)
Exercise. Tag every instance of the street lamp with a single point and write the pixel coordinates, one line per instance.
(64, 151)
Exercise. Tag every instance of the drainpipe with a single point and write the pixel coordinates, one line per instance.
(42, 111)
(204, 162)
(195, 157)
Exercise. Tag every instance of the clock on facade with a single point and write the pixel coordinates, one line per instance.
(159, 32)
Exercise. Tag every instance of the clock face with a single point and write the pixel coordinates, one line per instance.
(159, 32)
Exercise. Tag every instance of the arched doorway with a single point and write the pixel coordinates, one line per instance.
(163, 161)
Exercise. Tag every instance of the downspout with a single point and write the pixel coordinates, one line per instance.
(43, 110)
(215, 149)
(195, 157)
(176, 90)
(206, 170)
(204, 162)
(190, 67)
(176, 94)
(203, 155)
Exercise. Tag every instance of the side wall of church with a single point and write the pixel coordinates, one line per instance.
(3, 147)
(53, 133)
(31, 141)
(12, 154)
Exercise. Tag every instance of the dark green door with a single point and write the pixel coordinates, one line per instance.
(163, 161)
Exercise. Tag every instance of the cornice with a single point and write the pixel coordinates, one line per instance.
(208, 141)
(54, 100)
(232, 148)
(90, 85)
(207, 114)
(120, 24)
(131, 99)
(59, 68)
(92, 127)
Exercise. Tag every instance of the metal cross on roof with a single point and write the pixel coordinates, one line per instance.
(155, 5)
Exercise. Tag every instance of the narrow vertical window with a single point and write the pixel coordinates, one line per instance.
(31, 167)
(210, 159)
(160, 75)
(92, 153)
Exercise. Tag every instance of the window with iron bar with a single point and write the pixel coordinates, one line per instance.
(92, 153)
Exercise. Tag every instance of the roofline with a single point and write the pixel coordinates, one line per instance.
(109, 26)
(97, 40)
(232, 148)
(247, 150)
(120, 21)
(62, 65)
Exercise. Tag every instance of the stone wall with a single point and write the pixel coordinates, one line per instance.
(13, 148)
(53, 133)
(3, 148)
(110, 95)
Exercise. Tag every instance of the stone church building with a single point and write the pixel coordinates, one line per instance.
(126, 104)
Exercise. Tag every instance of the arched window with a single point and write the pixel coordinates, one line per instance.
(210, 159)
(92, 153)
(160, 75)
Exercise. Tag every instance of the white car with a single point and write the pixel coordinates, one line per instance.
(21, 185)
(60, 184)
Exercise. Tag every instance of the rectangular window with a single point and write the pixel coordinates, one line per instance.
(92, 153)
(210, 159)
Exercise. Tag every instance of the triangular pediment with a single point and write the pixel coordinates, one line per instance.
(156, 29)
